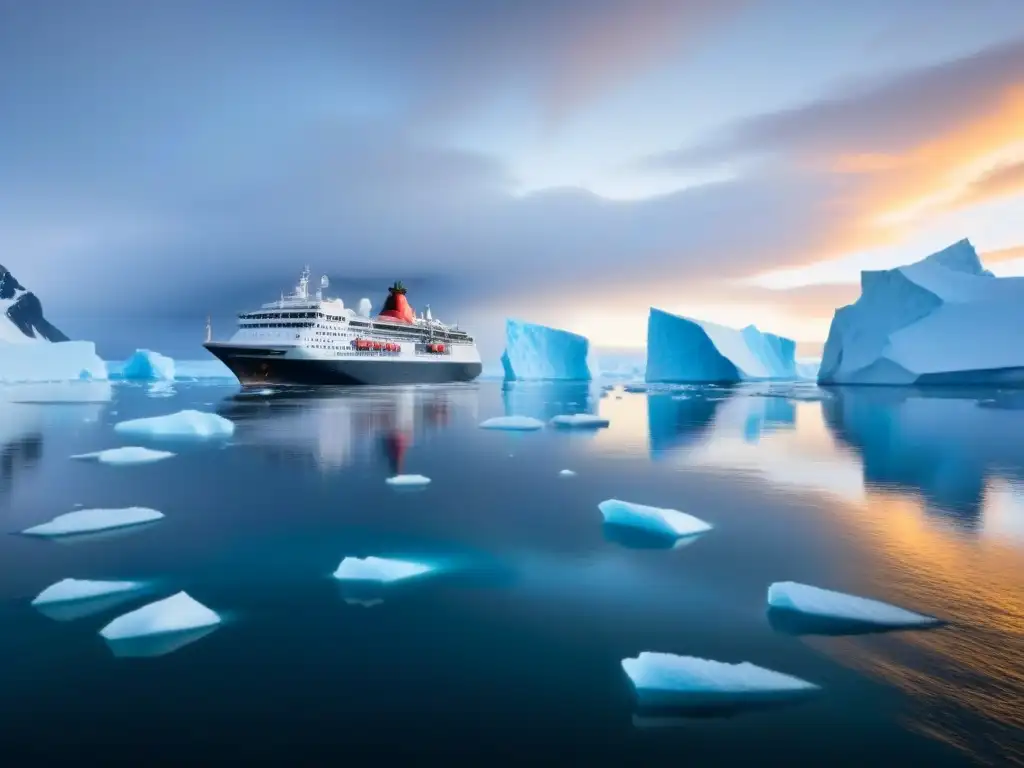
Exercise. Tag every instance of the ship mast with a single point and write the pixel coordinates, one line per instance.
(209, 329)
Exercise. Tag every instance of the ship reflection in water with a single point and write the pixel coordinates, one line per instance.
(928, 487)
(335, 428)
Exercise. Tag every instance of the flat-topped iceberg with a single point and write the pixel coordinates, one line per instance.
(146, 365)
(541, 353)
(513, 423)
(83, 521)
(129, 454)
(408, 481)
(41, 361)
(181, 425)
(669, 681)
(71, 599)
(379, 569)
(682, 349)
(669, 523)
(580, 421)
(945, 320)
(177, 613)
(822, 611)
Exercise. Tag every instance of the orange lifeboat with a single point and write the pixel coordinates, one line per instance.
(440, 347)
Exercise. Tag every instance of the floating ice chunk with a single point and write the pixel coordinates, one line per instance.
(567, 473)
(129, 454)
(183, 424)
(840, 607)
(94, 520)
(146, 365)
(513, 423)
(379, 569)
(580, 421)
(655, 520)
(667, 680)
(67, 590)
(408, 481)
(177, 613)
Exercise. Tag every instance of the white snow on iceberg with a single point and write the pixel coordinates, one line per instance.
(379, 569)
(681, 349)
(146, 365)
(84, 589)
(826, 604)
(654, 520)
(537, 352)
(93, 521)
(43, 361)
(129, 454)
(177, 613)
(408, 481)
(183, 424)
(513, 423)
(664, 679)
(580, 421)
(944, 320)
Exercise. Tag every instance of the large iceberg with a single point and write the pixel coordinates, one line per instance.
(667, 680)
(944, 320)
(680, 349)
(146, 365)
(31, 349)
(537, 352)
(181, 425)
(803, 609)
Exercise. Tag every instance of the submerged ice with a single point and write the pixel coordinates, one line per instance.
(538, 352)
(654, 520)
(665, 679)
(379, 569)
(177, 613)
(826, 604)
(129, 454)
(94, 520)
(183, 424)
(580, 421)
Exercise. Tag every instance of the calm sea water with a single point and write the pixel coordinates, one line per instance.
(513, 652)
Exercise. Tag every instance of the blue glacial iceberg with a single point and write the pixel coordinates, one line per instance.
(837, 612)
(580, 421)
(181, 425)
(381, 570)
(146, 365)
(540, 353)
(667, 680)
(129, 454)
(944, 320)
(680, 349)
(84, 521)
(513, 423)
(658, 521)
(177, 613)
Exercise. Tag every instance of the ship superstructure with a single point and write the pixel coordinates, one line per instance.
(307, 340)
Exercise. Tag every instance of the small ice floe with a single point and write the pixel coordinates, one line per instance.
(580, 421)
(513, 423)
(635, 389)
(567, 473)
(408, 481)
(129, 454)
(665, 682)
(669, 525)
(181, 425)
(801, 609)
(160, 627)
(71, 599)
(85, 521)
(379, 569)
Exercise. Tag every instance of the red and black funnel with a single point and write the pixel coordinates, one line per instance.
(396, 306)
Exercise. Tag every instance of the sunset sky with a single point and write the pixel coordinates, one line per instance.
(570, 162)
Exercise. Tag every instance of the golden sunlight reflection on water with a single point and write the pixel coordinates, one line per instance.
(911, 552)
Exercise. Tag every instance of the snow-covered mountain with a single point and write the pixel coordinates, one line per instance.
(22, 318)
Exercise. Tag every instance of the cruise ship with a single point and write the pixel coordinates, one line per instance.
(314, 340)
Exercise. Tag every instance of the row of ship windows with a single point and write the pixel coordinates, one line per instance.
(409, 335)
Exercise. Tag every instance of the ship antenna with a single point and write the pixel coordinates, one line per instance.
(209, 329)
